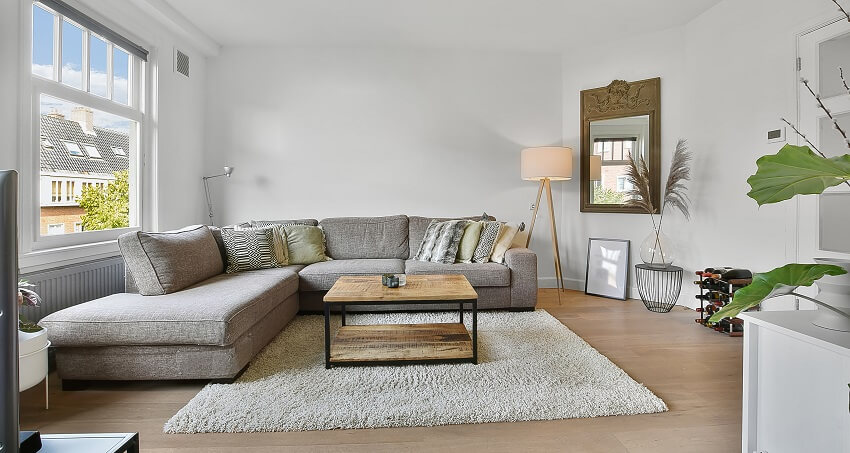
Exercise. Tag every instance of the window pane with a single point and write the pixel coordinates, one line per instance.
(92, 151)
(85, 185)
(42, 42)
(72, 55)
(98, 52)
(120, 76)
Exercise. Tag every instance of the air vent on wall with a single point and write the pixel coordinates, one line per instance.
(181, 63)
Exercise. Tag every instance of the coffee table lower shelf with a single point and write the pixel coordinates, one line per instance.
(401, 343)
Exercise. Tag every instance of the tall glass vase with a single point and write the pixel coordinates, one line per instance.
(657, 250)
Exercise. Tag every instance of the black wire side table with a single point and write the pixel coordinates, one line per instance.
(659, 287)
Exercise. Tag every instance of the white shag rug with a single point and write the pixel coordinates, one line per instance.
(531, 367)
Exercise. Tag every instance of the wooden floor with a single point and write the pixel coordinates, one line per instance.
(696, 371)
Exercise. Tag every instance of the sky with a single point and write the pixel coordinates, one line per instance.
(72, 70)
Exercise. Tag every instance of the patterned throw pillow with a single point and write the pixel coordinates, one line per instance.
(441, 240)
(487, 242)
(249, 249)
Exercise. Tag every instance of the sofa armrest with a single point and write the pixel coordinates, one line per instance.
(523, 265)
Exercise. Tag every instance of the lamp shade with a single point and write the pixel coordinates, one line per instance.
(595, 168)
(553, 162)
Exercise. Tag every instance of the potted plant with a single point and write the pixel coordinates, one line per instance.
(32, 340)
(800, 170)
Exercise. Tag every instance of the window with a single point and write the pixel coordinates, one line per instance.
(69, 190)
(88, 84)
(92, 151)
(56, 191)
(55, 228)
(74, 149)
(623, 184)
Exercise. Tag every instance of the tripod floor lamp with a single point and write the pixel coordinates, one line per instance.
(227, 172)
(546, 164)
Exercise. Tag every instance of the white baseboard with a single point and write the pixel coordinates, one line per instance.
(578, 285)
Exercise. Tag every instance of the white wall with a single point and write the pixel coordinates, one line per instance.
(179, 127)
(642, 57)
(344, 132)
(727, 78)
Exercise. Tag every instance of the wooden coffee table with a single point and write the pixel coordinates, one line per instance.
(387, 344)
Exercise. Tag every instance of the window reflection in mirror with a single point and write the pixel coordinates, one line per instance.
(614, 141)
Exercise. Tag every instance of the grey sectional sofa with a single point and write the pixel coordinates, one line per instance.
(214, 327)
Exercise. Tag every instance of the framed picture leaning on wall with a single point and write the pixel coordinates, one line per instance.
(607, 268)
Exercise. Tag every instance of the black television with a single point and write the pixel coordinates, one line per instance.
(9, 397)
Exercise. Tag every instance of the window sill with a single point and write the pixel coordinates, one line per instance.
(64, 256)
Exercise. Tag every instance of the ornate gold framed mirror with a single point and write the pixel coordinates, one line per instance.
(617, 121)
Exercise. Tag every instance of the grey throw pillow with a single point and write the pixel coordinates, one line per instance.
(487, 242)
(251, 248)
(441, 240)
(163, 263)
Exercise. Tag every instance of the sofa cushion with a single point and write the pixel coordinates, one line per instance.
(441, 241)
(162, 263)
(487, 274)
(265, 223)
(321, 276)
(214, 312)
(417, 226)
(305, 244)
(255, 248)
(366, 237)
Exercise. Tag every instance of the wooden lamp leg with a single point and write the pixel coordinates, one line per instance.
(534, 214)
(557, 254)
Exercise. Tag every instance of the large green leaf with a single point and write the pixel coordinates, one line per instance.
(796, 170)
(778, 282)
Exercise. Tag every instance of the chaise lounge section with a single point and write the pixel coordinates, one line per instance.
(214, 326)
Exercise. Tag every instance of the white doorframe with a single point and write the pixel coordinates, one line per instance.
(808, 119)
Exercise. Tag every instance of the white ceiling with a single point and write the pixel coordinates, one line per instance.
(526, 25)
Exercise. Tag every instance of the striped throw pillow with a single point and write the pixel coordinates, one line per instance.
(251, 248)
(441, 240)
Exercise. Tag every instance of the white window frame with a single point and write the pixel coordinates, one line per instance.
(39, 251)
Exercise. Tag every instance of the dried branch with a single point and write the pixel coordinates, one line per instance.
(841, 8)
(680, 171)
(843, 80)
(828, 113)
(804, 137)
(640, 194)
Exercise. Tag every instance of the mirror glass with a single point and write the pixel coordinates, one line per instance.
(612, 142)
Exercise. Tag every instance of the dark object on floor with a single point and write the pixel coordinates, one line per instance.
(659, 287)
(30, 442)
(717, 287)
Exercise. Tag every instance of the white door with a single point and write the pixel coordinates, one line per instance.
(823, 220)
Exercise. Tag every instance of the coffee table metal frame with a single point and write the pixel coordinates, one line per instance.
(342, 305)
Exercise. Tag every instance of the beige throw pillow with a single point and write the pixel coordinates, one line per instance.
(503, 243)
(469, 241)
(306, 244)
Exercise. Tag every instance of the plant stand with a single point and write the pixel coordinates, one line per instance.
(659, 287)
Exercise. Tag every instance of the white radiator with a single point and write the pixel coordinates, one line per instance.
(65, 286)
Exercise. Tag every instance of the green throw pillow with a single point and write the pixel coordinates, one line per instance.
(306, 244)
(469, 241)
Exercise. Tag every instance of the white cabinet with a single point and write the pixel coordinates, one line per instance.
(796, 376)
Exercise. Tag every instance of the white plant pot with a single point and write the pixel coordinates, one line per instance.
(835, 292)
(32, 358)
